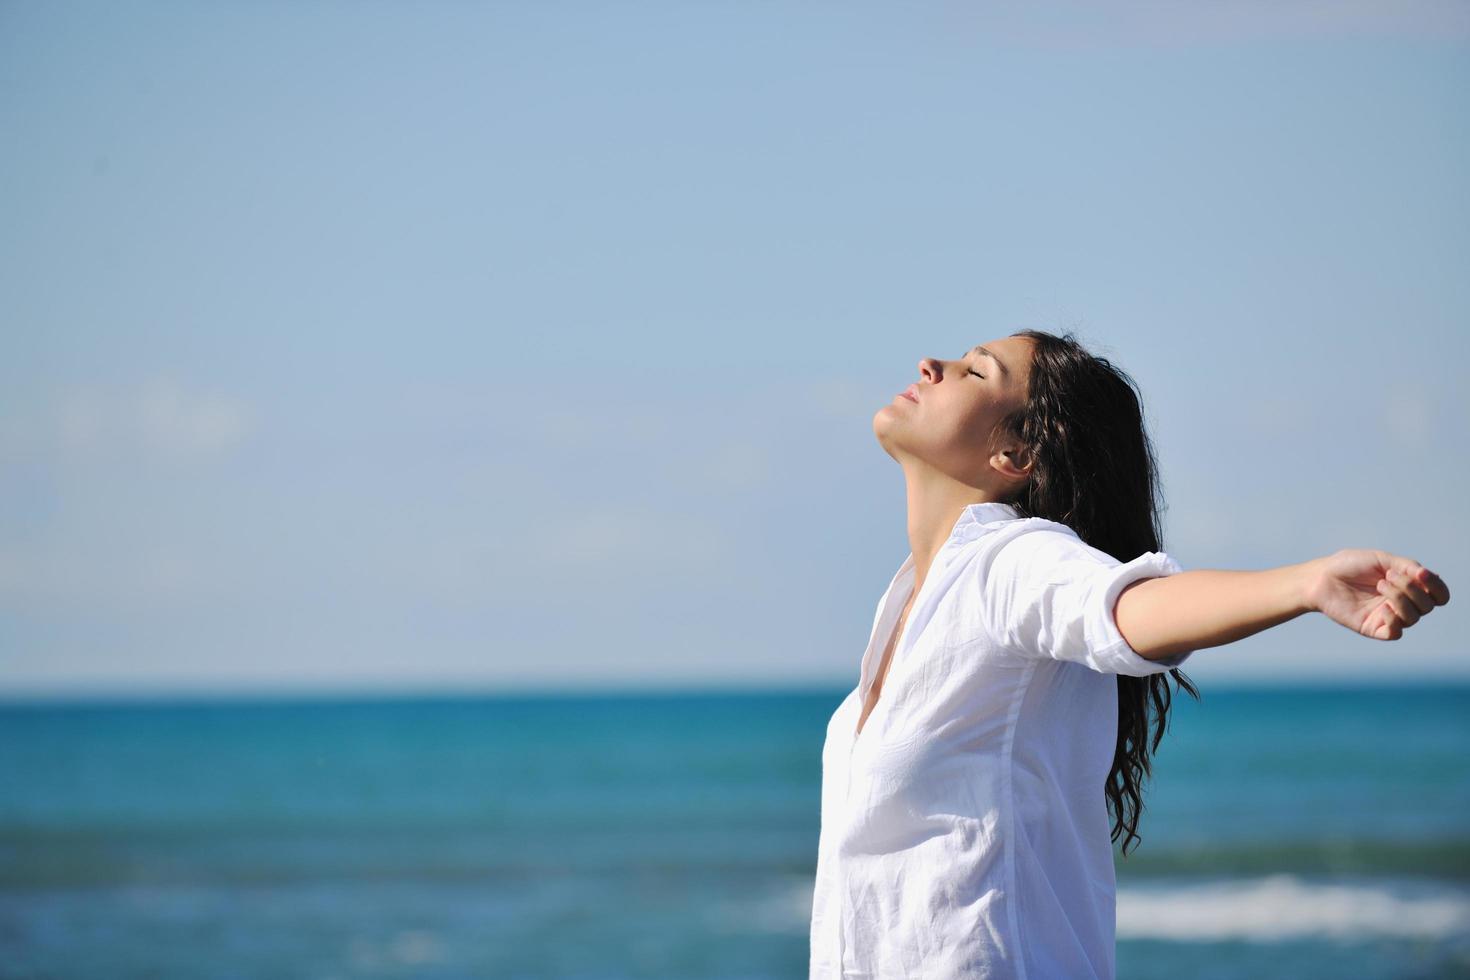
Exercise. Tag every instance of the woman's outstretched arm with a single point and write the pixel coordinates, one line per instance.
(1373, 593)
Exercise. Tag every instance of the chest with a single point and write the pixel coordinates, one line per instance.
(876, 689)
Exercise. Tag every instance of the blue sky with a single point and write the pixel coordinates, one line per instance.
(390, 346)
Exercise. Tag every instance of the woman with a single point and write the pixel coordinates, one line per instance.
(1003, 705)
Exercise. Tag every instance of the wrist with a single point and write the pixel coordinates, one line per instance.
(1309, 585)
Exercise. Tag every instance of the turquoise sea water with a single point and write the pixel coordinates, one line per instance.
(1289, 832)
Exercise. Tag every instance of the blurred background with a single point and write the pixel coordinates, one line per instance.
(439, 509)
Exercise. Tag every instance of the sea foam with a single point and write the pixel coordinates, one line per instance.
(1282, 906)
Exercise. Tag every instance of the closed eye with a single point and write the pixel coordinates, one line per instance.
(976, 373)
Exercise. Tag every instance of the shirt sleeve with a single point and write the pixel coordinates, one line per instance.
(1047, 593)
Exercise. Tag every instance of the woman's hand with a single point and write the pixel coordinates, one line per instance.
(1373, 592)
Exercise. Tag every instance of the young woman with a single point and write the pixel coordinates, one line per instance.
(1003, 704)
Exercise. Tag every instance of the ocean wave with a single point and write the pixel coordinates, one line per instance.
(1267, 909)
(1282, 906)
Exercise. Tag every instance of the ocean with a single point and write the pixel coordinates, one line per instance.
(1288, 832)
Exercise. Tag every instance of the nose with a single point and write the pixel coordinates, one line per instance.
(929, 369)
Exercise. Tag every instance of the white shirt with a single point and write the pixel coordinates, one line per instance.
(965, 832)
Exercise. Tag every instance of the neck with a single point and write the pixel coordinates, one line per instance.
(935, 504)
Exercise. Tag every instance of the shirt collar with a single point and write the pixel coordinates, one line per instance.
(976, 517)
(973, 522)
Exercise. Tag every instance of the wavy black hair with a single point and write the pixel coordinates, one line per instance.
(1096, 472)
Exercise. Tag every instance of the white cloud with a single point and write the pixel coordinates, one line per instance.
(95, 579)
(170, 419)
(739, 466)
(1409, 419)
(843, 398)
(157, 417)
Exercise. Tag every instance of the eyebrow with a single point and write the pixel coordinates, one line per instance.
(1003, 369)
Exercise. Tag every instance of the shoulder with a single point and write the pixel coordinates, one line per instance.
(1037, 549)
(1027, 534)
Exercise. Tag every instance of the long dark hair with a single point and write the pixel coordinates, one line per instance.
(1095, 471)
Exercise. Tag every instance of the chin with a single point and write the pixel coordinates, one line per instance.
(880, 422)
(883, 433)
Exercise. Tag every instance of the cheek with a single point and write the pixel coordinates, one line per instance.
(972, 417)
(957, 435)
(975, 429)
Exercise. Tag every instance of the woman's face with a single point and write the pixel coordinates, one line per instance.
(949, 418)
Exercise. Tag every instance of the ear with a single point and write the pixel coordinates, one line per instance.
(1015, 463)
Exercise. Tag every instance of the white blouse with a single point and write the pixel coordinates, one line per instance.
(965, 831)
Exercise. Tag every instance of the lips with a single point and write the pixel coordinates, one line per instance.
(911, 393)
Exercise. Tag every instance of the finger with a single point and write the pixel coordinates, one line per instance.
(1388, 627)
(1402, 607)
(1433, 583)
(1414, 590)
